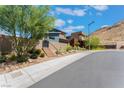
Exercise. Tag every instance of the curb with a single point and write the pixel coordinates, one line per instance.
(28, 76)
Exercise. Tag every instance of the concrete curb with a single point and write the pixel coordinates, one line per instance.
(28, 76)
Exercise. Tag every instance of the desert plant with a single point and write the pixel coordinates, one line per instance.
(12, 57)
(82, 49)
(31, 50)
(68, 48)
(37, 51)
(99, 48)
(34, 53)
(42, 54)
(77, 44)
(58, 52)
(22, 58)
(26, 24)
(93, 42)
(34, 56)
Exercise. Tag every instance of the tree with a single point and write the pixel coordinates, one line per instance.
(26, 25)
(93, 42)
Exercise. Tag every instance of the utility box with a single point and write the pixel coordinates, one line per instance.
(45, 44)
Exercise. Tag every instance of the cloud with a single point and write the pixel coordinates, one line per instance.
(75, 27)
(69, 11)
(70, 21)
(104, 26)
(100, 7)
(59, 22)
(71, 29)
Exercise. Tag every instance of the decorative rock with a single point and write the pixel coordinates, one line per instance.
(29, 60)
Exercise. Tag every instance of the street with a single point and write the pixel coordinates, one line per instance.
(98, 70)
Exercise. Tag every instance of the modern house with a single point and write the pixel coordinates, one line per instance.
(57, 36)
(77, 37)
(55, 39)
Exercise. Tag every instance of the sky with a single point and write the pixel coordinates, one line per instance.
(74, 18)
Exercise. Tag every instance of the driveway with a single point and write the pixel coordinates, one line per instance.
(98, 70)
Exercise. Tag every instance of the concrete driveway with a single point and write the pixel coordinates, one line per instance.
(98, 70)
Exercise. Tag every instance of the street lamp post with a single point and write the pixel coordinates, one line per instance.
(89, 31)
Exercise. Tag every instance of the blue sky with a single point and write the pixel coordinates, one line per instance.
(72, 18)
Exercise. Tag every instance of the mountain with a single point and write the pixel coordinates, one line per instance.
(109, 34)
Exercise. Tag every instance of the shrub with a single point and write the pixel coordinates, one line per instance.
(22, 58)
(42, 54)
(31, 51)
(93, 42)
(12, 57)
(2, 59)
(68, 48)
(37, 51)
(77, 44)
(58, 52)
(34, 53)
(34, 56)
(99, 48)
(82, 49)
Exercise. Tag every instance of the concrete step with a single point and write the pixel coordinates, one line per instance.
(48, 52)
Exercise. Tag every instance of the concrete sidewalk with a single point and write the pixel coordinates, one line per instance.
(27, 76)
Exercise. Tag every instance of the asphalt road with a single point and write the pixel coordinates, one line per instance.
(98, 70)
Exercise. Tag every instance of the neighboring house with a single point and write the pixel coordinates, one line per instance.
(77, 37)
(57, 36)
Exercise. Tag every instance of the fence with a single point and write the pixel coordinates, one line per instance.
(5, 44)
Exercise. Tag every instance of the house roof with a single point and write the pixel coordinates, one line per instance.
(56, 31)
(79, 33)
(3, 32)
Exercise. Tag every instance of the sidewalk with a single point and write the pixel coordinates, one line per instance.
(27, 76)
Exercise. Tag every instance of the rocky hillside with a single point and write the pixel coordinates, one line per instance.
(113, 33)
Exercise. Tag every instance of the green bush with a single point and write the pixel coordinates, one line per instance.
(93, 42)
(42, 54)
(77, 44)
(31, 51)
(68, 48)
(12, 57)
(22, 58)
(37, 51)
(34, 56)
(82, 49)
(2, 59)
(34, 53)
(99, 48)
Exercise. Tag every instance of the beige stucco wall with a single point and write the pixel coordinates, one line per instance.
(62, 36)
(53, 45)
